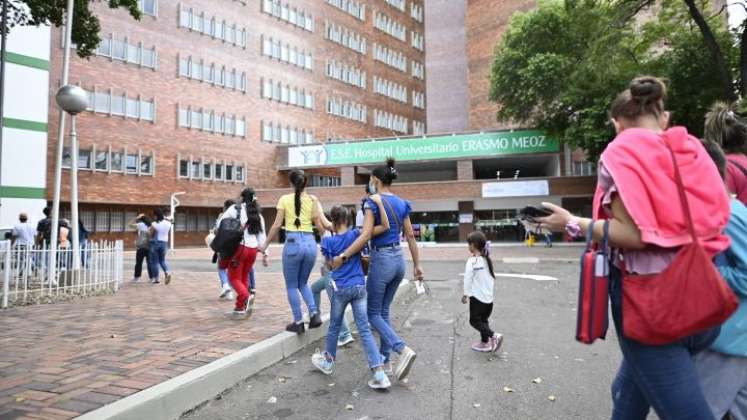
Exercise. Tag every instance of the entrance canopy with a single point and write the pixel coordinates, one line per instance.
(426, 148)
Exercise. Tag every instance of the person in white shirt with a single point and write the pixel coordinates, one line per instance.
(241, 263)
(479, 280)
(23, 232)
(159, 243)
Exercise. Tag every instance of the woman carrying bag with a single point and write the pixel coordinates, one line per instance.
(656, 188)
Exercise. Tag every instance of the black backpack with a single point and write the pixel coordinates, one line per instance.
(229, 235)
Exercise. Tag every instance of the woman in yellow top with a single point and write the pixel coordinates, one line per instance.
(300, 212)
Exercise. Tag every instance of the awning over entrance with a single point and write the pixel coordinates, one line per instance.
(426, 148)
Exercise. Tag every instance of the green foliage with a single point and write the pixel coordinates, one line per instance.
(86, 26)
(560, 66)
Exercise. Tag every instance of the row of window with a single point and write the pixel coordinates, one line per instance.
(282, 51)
(345, 37)
(104, 221)
(399, 4)
(390, 26)
(210, 121)
(213, 27)
(418, 99)
(416, 12)
(127, 52)
(346, 74)
(389, 89)
(383, 119)
(418, 128)
(418, 70)
(210, 170)
(390, 57)
(325, 181)
(212, 73)
(288, 14)
(417, 41)
(288, 95)
(104, 159)
(285, 134)
(107, 102)
(352, 7)
(347, 109)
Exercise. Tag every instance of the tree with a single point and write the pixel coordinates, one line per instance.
(86, 25)
(559, 67)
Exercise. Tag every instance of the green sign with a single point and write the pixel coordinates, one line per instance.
(424, 148)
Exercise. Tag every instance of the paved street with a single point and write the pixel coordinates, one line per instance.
(450, 381)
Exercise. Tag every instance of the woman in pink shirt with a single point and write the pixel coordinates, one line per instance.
(637, 193)
(729, 130)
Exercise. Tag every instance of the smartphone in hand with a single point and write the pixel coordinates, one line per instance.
(531, 212)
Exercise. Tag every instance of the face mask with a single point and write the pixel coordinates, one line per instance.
(372, 187)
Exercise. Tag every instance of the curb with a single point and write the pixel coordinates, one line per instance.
(178, 395)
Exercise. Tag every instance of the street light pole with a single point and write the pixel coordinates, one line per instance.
(174, 204)
(74, 193)
(60, 145)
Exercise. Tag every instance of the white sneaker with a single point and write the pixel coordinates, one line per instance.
(231, 295)
(224, 292)
(319, 360)
(344, 342)
(406, 359)
(379, 380)
(135, 279)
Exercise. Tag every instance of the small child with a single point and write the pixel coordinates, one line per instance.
(479, 280)
(348, 286)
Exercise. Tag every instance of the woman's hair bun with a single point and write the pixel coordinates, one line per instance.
(390, 162)
(392, 174)
(647, 89)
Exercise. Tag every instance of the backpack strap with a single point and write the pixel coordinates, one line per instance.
(394, 213)
(738, 165)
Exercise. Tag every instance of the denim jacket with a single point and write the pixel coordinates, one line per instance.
(732, 264)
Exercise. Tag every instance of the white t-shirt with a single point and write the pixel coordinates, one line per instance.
(142, 227)
(162, 229)
(250, 240)
(478, 282)
(359, 218)
(24, 233)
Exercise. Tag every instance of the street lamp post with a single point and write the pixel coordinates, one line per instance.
(174, 204)
(60, 147)
(73, 100)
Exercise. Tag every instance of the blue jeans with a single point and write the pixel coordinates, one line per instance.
(662, 377)
(316, 291)
(252, 279)
(386, 271)
(299, 257)
(223, 276)
(157, 258)
(356, 297)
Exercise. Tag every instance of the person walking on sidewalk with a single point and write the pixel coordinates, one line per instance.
(345, 337)
(725, 127)
(723, 368)
(142, 245)
(226, 292)
(299, 212)
(636, 190)
(159, 243)
(348, 287)
(479, 282)
(387, 266)
(241, 263)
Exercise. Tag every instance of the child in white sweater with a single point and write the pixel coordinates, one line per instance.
(479, 280)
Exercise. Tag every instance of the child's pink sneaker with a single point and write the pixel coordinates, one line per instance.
(482, 347)
(495, 342)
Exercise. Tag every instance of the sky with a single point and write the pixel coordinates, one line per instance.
(736, 12)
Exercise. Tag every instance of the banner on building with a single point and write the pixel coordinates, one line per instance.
(515, 189)
(490, 144)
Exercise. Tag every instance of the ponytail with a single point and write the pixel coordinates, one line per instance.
(254, 220)
(298, 180)
(486, 255)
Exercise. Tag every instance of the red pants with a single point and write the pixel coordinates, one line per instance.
(239, 267)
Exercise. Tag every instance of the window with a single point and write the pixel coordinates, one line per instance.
(390, 89)
(287, 94)
(184, 168)
(101, 102)
(121, 105)
(417, 40)
(352, 7)
(418, 99)
(191, 222)
(116, 221)
(133, 108)
(132, 163)
(416, 11)
(286, 53)
(180, 224)
(102, 161)
(418, 70)
(418, 128)
(116, 161)
(118, 105)
(285, 13)
(347, 109)
(212, 27)
(347, 74)
(325, 181)
(398, 4)
(229, 172)
(219, 171)
(105, 47)
(239, 172)
(207, 170)
(146, 165)
(195, 171)
(345, 37)
(102, 221)
(390, 121)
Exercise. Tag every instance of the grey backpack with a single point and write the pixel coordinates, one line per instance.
(143, 239)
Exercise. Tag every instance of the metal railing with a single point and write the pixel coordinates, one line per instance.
(25, 274)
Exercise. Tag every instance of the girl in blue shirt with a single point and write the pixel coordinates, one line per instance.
(348, 286)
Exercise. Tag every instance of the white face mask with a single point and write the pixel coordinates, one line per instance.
(372, 187)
